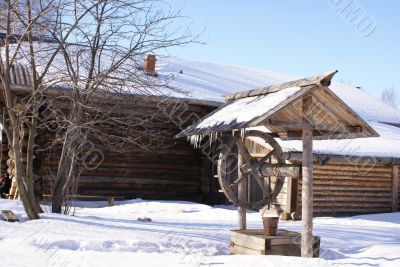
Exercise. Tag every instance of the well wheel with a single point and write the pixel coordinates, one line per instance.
(228, 169)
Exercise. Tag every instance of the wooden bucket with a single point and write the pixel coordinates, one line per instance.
(270, 225)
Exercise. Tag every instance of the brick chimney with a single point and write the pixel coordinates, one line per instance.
(149, 67)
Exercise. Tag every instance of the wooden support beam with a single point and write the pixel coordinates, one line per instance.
(307, 184)
(322, 159)
(111, 201)
(318, 127)
(323, 133)
(273, 169)
(242, 188)
(282, 169)
(289, 195)
(395, 189)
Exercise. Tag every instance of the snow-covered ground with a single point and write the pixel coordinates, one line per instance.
(181, 234)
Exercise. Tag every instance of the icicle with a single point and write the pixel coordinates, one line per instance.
(194, 140)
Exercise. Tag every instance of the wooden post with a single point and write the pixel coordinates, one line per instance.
(395, 189)
(110, 201)
(242, 195)
(307, 184)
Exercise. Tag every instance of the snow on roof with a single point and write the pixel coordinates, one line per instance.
(386, 145)
(211, 81)
(244, 110)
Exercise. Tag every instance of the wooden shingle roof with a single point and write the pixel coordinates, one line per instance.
(279, 109)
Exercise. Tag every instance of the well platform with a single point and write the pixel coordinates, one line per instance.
(253, 242)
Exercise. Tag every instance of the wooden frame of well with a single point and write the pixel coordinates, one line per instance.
(313, 112)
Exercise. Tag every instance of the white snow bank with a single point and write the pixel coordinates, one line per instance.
(181, 233)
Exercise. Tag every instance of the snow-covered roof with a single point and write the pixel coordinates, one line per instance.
(280, 109)
(238, 114)
(386, 145)
(210, 81)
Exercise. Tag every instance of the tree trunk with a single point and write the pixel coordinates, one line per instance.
(29, 165)
(19, 176)
(17, 151)
(65, 166)
(59, 184)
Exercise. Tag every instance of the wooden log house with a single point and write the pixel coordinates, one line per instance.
(183, 172)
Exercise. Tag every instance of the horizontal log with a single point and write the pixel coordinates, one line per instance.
(346, 183)
(352, 205)
(351, 193)
(172, 152)
(348, 199)
(353, 169)
(304, 125)
(297, 157)
(286, 170)
(148, 194)
(348, 188)
(195, 189)
(352, 165)
(349, 211)
(145, 173)
(352, 178)
(140, 165)
(149, 175)
(325, 173)
(134, 180)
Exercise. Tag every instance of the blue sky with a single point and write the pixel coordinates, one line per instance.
(303, 38)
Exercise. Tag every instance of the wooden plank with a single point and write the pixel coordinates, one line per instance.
(353, 173)
(242, 195)
(395, 189)
(291, 195)
(240, 250)
(253, 242)
(302, 125)
(351, 167)
(323, 79)
(279, 169)
(9, 216)
(307, 183)
(111, 201)
(244, 238)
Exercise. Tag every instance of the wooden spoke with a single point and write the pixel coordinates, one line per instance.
(265, 192)
(245, 153)
(268, 156)
(260, 183)
(238, 180)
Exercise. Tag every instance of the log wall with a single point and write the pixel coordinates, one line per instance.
(344, 189)
(175, 171)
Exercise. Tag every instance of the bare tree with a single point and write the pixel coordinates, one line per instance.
(389, 96)
(18, 24)
(93, 50)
